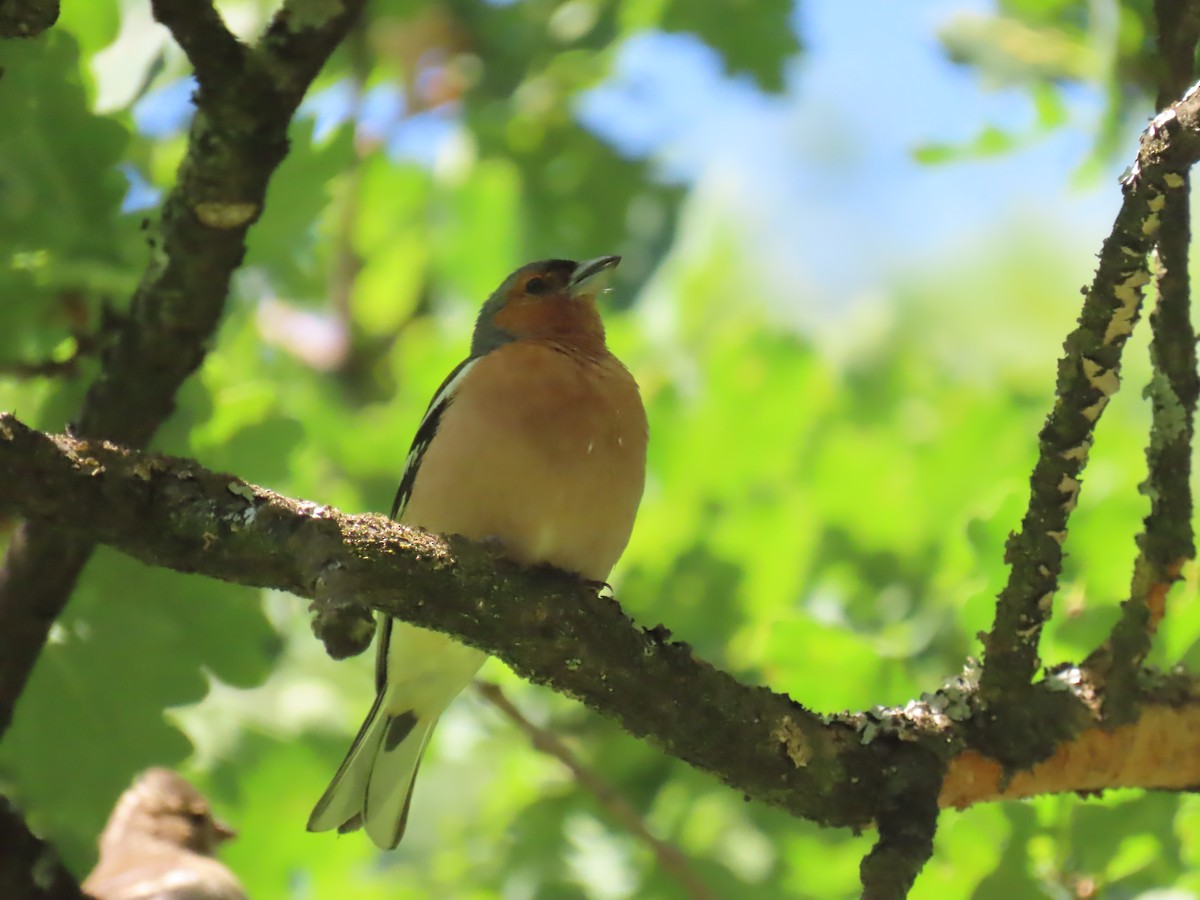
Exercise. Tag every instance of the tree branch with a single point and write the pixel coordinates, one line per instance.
(237, 139)
(669, 858)
(1166, 542)
(21, 370)
(1088, 376)
(555, 630)
(175, 513)
(215, 54)
(29, 867)
(26, 18)
(1161, 749)
(1178, 27)
(907, 823)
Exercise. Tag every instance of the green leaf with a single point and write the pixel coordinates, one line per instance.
(64, 246)
(284, 242)
(133, 642)
(753, 37)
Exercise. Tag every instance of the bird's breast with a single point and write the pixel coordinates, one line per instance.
(543, 450)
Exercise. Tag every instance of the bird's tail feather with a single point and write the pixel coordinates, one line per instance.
(389, 790)
(343, 800)
(373, 785)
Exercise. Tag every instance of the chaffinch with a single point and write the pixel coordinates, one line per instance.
(537, 441)
(159, 844)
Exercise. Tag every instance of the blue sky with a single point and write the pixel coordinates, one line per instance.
(825, 169)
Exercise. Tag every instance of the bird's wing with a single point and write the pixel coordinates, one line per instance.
(442, 398)
(426, 430)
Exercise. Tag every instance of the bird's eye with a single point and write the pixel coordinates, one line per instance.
(535, 285)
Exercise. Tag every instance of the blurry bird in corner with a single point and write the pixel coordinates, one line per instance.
(159, 844)
(537, 441)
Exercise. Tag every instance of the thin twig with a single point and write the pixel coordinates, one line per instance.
(88, 338)
(21, 370)
(670, 858)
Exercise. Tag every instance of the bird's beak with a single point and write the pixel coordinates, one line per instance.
(591, 276)
(223, 831)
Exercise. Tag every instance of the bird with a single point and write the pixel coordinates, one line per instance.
(159, 844)
(535, 443)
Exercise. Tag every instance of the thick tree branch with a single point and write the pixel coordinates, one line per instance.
(29, 867)
(217, 56)
(907, 822)
(1160, 750)
(26, 18)
(238, 137)
(556, 631)
(1088, 376)
(175, 513)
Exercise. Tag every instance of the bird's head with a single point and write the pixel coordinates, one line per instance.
(161, 805)
(551, 298)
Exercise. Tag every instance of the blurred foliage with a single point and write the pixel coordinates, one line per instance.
(1051, 47)
(828, 520)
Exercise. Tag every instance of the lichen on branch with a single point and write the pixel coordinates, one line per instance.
(1088, 376)
(555, 630)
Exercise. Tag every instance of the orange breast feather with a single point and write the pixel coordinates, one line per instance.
(543, 449)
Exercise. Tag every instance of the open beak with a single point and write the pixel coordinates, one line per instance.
(591, 276)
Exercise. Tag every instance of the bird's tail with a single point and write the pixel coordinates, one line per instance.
(373, 786)
(417, 673)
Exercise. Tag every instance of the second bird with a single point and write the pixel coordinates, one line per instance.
(536, 441)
